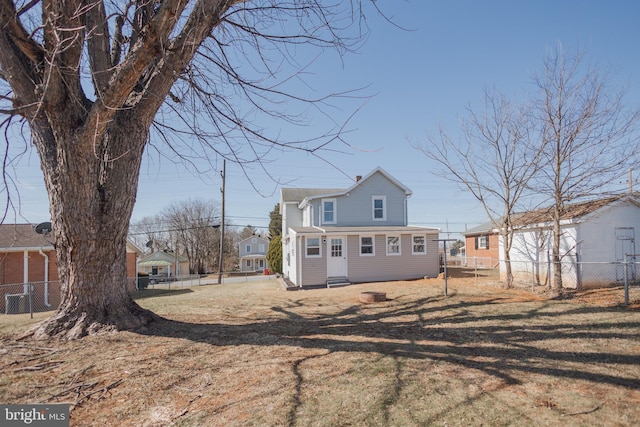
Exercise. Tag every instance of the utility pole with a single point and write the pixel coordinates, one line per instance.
(221, 258)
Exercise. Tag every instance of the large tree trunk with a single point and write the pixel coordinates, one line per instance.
(91, 201)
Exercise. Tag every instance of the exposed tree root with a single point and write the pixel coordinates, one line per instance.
(67, 324)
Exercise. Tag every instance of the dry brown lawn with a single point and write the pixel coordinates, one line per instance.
(253, 354)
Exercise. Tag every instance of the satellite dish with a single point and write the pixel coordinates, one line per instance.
(43, 228)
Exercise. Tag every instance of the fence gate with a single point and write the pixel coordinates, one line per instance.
(625, 244)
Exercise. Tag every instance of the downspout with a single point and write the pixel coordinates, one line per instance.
(406, 209)
(46, 277)
(299, 254)
(25, 272)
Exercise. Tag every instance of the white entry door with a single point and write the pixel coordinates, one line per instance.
(336, 256)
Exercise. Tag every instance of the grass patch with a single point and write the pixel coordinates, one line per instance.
(252, 354)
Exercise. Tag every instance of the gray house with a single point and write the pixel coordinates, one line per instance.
(253, 254)
(358, 234)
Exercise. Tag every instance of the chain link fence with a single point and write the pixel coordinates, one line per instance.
(621, 279)
(35, 297)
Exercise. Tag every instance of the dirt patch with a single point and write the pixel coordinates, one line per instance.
(255, 354)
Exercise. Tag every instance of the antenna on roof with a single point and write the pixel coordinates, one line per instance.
(43, 228)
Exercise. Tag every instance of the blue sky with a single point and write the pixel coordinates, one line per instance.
(422, 79)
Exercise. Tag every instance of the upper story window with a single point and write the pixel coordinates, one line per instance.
(393, 245)
(419, 245)
(329, 214)
(261, 248)
(313, 247)
(366, 245)
(379, 204)
(247, 249)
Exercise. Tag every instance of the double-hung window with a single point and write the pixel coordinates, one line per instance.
(482, 242)
(313, 247)
(419, 245)
(379, 207)
(366, 246)
(329, 214)
(393, 245)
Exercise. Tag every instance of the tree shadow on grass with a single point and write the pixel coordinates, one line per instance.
(149, 293)
(474, 335)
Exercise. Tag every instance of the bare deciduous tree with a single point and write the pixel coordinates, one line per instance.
(588, 135)
(494, 161)
(193, 226)
(95, 81)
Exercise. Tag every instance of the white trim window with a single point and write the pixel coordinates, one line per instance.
(393, 245)
(247, 249)
(482, 242)
(329, 214)
(261, 248)
(379, 208)
(367, 248)
(419, 244)
(312, 249)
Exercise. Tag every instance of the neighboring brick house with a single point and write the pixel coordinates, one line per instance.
(28, 257)
(482, 246)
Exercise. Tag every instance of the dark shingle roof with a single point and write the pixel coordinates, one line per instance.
(20, 236)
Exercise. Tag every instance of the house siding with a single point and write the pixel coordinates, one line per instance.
(356, 207)
(313, 270)
(381, 266)
(531, 256)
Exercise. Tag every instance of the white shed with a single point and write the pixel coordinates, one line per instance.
(595, 237)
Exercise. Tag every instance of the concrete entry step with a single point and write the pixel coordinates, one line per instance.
(333, 282)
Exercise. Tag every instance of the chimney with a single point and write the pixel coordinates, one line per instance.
(358, 178)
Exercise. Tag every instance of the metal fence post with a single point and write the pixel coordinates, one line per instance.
(31, 299)
(626, 280)
(475, 269)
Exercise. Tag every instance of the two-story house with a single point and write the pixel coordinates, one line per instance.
(253, 254)
(359, 234)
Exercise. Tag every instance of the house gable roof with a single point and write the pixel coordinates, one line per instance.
(571, 212)
(253, 237)
(305, 195)
(484, 228)
(161, 256)
(545, 215)
(21, 237)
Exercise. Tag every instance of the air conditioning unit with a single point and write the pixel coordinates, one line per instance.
(17, 304)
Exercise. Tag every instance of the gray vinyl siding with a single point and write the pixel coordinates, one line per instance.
(313, 271)
(383, 267)
(255, 247)
(356, 207)
(292, 217)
